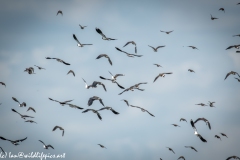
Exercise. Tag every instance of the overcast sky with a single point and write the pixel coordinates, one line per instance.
(31, 31)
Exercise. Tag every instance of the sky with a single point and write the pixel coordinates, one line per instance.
(32, 30)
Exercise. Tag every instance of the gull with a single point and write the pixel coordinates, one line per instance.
(158, 65)
(155, 49)
(95, 83)
(2, 83)
(103, 36)
(125, 101)
(201, 104)
(31, 121)
(237, 79)
(191, 148)
(39, 67)
(181, 157)
(128, 54)
(223, 134)
(143, 110)
(74, 106)
(234, 157)
(211, 104)
(233, 73)
(114, 78)
(106, 56)
(108, 108)
(132, 42)
(238, 35)
(175, 125)
(86, 85)
(190, 70)
(193, 47)
(46, 146)
(79, 44)
(94, 111)
(30, 70)
(167, 32)
(22, 116)
(20, 104)
(233, 46)
(60, 12)
(205, 120)
(14, 142)
(170, 149)
(62, 103)
(195, 131)
(59, 60)
(212, 18)
(136, 86)
(222, 9)
(113, 81)
(2, 150)
(71, 71)
(182, 119)
(216, 136)
(161, 75)
(58, 127)
(90, 101)
(82, 27)
(30, 108)
(102, 146)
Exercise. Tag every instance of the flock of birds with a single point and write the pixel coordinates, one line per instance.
(113, 79)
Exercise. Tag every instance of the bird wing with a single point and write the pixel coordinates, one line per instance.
(127, 43)
(152, 47)
(55, 128)
(74, 106)
(71, 71)
(192, 124)
(100, 100)
(228, 75)
(156, 78)
(135, 49)
(160, 47)
(204, 140)
(76, 39)
(103, 86)
(16, 112)
(90, 101)
(63, 132)
(109, 60)
(99, 116)
(126, 102)
(20, 140)
(65, 63)
(118, 75)
(120, 86)
(87, 110)
(104, 78)
(15, 99)
(50, 146)
(100, 32)
(194, 149)
(42, 142)
(150, 113)
(115, 112)
(30, 108)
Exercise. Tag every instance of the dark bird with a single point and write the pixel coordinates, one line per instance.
(30, 70)
(161, 75)
(82, 27)
(195, 131)
(15, 142)
(182, 119)
(133, 43)
(62, 103)
(2, 150)
(190, 70)
(60, 12)
(167, 32)
(71, 71)
(213, 18)
(103, 36)
(238, 35)
(223, 135)
(39, 67)
(31, 121)
(59, 60)
(222, 9)
(46, 146)
(155, 49)
(233, 73)
(158, 65)
(95, 83)
(234, 157)
(170, 149)
(79, 44)
(58, 127)
(191, 148)
(143, 110)
(233, 46)
(31, 108)
(2, 83)
(205, 120)
(216, 136)
(175, 125)
(181, 157)
(128, 54)
(106, 56)
(125, 101)
(94, 111)
(201, 104)
(211, 104)
(102, 146)
(193, 47)
(90, 101)
(22, 116)
(20, 104)
(108, 108)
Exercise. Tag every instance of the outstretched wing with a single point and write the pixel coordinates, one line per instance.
(156, 78)
(15, 99)
(76, 39)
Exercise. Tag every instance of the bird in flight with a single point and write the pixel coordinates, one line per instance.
(39, 67)
(106, 56)
(175, 125)
(108, 108)
(170, 149)
(71, 71)
(95, 83)
(213, 18)
(167, 32)
(128, 54)
(158, 65)
(31, 121)
(15, 142)
(62, 103)
(90, 101)
(46, 146)
(205, 120)
(193, 47)
(59, 60)
(143, 110)
(211, 104)
(161, 75)
(133, 43)
(182, 119)
(132, 88)
(190, 70)
(155, 49)
(216, 136)
(2, 83)
(31, 108)
(60, 12)
(222, 9)
(79, 44)
(58, 127)
(191, 148)
(223, 135)
(125, 101)
(22, 116)
(234, 157)
(233, 73)
(201, 104)
(181, 157)
(102, 146)
(94, 111)
(30, 70)
(82, 27)
(20, 104)
(103, 36)
(233, 46)
(113, 79)
(196, 133)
